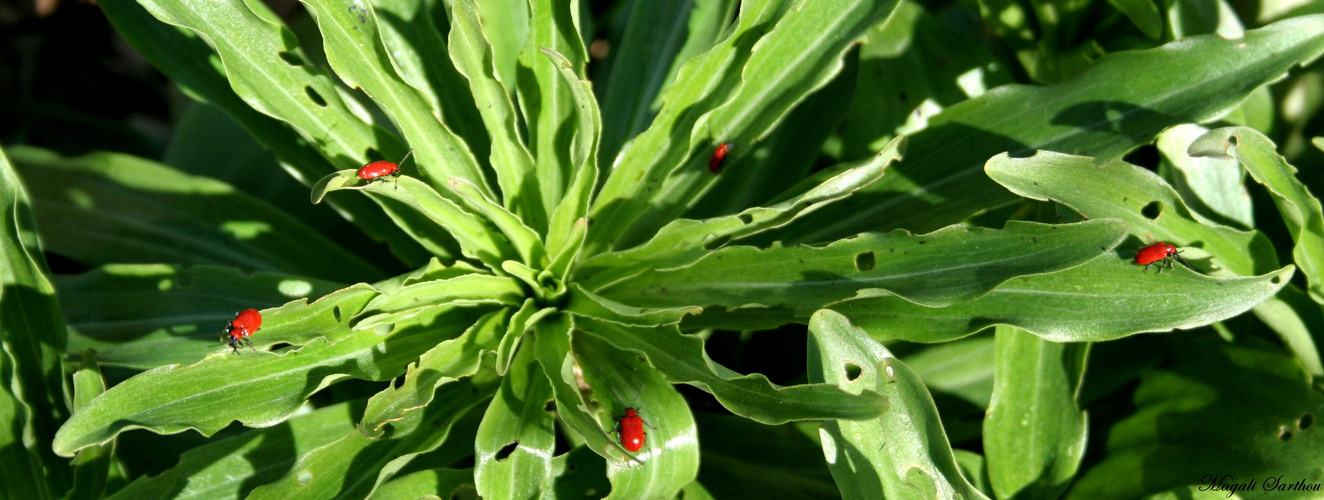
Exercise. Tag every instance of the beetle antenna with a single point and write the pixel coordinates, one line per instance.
(636, 396)
(1177, 254)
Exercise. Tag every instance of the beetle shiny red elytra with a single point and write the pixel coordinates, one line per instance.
(719, 157)
(632, 431)
(1158, 253)
(244, 324)
(630, 426)
(381, 169)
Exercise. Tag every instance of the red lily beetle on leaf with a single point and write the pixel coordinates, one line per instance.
(381, 169)
(630, 427)
(245, 323)
(719, 157)
(1158, 253)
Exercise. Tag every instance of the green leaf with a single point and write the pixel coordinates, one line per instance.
(148, 315)
(1242, 409)
(563, 260)
(274, 87)
(104, 208)
(525, 240)
(1142, 13)
(586, 303)
(1035, 432)
(583, 159)
(901, 59)
(355, 50)
(476, 235)
(1105, 299)
(90, 464)
(799, 55)
(524, 320)
(1152, 209)
(446, 362)
(786, 155)
(544, 97)
(205, 396)
(1212, 188)
(701, 85)
(650, 52)
(552, 349)
(746, 460)
(678, 357)
(1103, 112)
(417, 43)
(34, 337)
(1299, 209)
(670, 457)
(904, 452)
(473, 57)
(1124, 191)
(22, 476)
(444, 483)
(424, 296)
(685, 241)
(507, 36)
(517, 438)
(352, 466)
(232, 467)
(940, 268)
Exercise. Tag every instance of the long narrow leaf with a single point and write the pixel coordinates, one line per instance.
(681, 358)
(941, 181)
(801, 54)
(546, 102)
(355, 50)
(1299, 208)
(935, 269)
(34, 341)
(103, 208)
(257, 390)
(264, 98)
(474, 59)
(685, 241)
(902, 453)
(1035, 432)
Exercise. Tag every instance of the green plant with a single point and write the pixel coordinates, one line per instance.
(563, 258)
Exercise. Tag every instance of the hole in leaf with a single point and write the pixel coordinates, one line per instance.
(1284, 434)
(1276, 280)
(1305, 421)
(279, 345)
(506, 450)
(1151, 210)
(336, 312)
(745, 218)
(316, 97)
(290, 58)
(864, 261)
(549, 406)
(853, 371)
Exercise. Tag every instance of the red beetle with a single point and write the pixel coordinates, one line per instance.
(1159, 253)
(719, 157)
(245, 323)
(630, 427)
(632, 431)
(382, 168)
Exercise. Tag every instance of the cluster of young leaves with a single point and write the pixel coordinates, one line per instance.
(569, 258)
